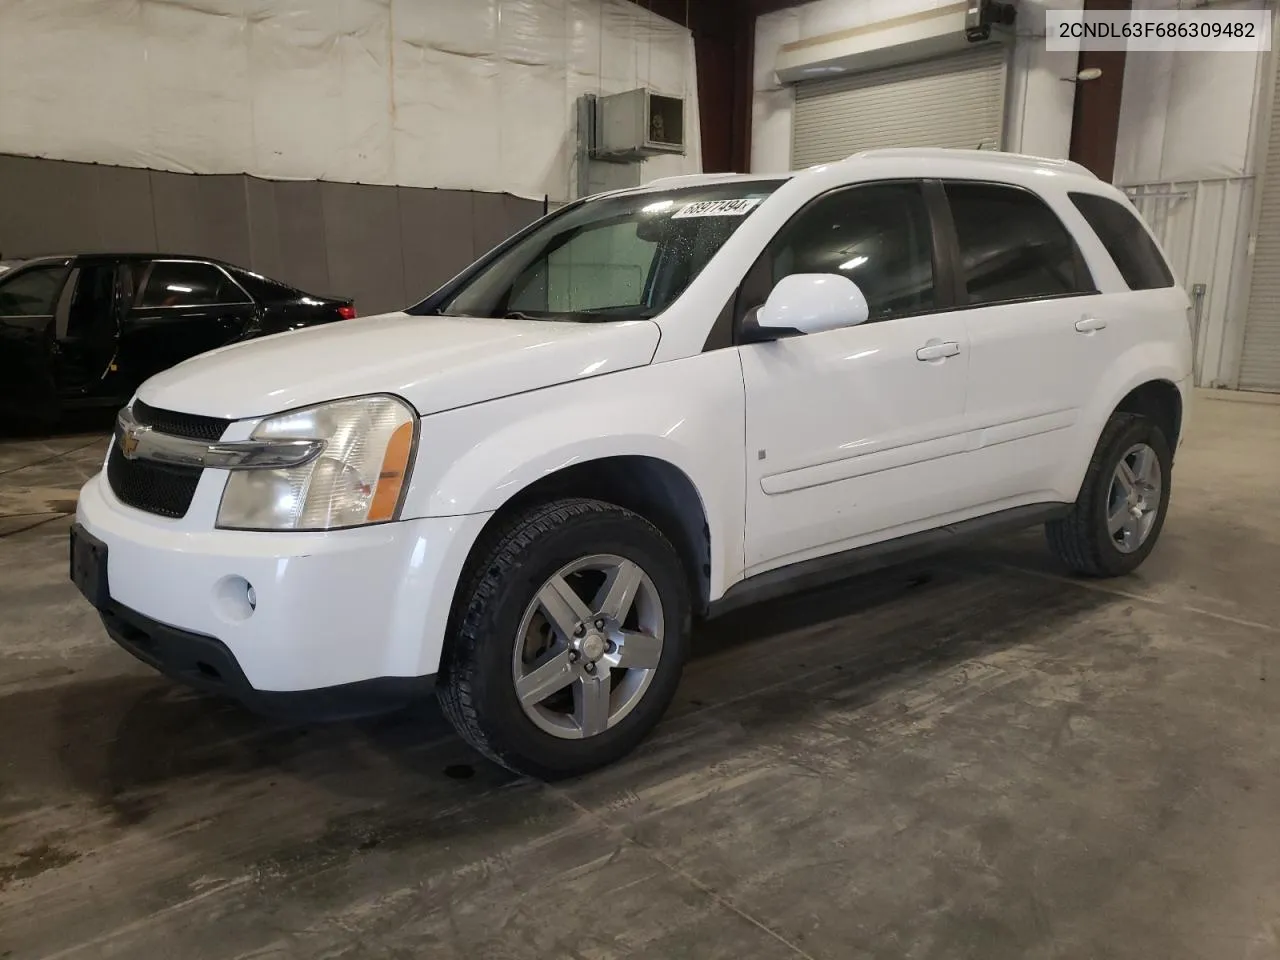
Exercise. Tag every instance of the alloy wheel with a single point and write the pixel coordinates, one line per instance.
(588, 646)
(1133, 501)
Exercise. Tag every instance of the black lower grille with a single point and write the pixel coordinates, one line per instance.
(188, 425)
(153, 487)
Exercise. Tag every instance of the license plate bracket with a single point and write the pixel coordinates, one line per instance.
(89, 566)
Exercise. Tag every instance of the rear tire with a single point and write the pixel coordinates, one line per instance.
(553, 684)
(1116, 521)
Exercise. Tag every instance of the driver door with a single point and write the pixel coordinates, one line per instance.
(853, 434)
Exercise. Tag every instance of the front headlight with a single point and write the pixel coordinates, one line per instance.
(357, 479)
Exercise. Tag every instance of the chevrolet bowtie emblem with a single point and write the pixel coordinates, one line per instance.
(129, 442)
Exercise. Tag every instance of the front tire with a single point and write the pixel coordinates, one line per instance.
(1116, 521)
(567, 639)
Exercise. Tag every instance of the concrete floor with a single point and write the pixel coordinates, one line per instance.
(971, 758)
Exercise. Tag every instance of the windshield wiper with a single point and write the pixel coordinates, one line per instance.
(517, 315)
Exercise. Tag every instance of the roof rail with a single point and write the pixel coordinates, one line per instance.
(694, 178)
(994, 156)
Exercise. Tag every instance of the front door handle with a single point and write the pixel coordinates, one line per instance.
(1090, 324)
(938, 350)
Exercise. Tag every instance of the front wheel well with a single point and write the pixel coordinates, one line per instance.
(1159, 401)
(655, 489)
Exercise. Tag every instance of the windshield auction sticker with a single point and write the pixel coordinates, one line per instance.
(716, 208)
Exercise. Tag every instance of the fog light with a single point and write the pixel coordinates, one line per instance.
(234, 599)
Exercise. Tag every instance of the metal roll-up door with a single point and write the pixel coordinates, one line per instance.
(955, 101)
(1260, 358)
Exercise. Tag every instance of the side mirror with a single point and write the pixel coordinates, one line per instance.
(812, 303)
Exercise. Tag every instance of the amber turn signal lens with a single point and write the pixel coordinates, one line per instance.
(395, 466)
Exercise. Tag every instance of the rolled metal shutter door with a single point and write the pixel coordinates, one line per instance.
(1260, 358)
(954, 101)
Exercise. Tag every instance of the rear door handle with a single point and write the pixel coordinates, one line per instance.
(938, 350)
(1090, 324)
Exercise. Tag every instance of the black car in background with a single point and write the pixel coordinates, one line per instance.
(85, 331)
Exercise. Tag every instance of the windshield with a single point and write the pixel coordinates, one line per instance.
(617, 258)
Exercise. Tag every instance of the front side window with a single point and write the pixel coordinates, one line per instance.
(1127, 241)
(878, 235)
(175, 283)
(1012, 246)
(32, 292)
(614, 258)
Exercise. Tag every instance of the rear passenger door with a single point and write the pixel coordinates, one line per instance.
(88, 326)
(1149, 307)
(182, 308)
(1036, 346)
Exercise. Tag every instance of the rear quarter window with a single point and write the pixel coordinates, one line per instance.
(1126, 240)
(263, 288)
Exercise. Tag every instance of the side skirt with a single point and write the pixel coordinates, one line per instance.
(821, 571)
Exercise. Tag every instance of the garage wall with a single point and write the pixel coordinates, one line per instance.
(1187, 154)
(1038, 104)
(384, 246)
(452, 94)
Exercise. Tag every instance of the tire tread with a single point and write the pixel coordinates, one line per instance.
(483, 580)
(1073, 539)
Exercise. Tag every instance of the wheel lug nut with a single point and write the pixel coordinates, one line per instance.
(579, 630)
(590, 667)
(573, 656)
(600, 623)
(611, 647)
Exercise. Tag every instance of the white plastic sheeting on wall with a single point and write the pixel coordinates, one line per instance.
(462, 94)
(1038, 104)
(1188, 115)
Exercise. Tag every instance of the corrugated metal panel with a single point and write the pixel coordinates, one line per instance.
(955, 101)
(1260, 358)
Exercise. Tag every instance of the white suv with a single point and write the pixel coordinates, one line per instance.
(648, 407)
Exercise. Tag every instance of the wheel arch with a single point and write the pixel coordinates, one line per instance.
(1149, 379)
(1158, 400)
(650, 486)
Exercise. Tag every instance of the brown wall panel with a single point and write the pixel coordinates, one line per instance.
(489, 217)
(386, 247)
(48, 207)
(304, 259)
(362, 232)
(205, 214)
(126, 216)
(436, 238)
(264, 228)
(520, 212)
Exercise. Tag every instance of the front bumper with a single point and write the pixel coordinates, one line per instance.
(208, 665)
(363, 605)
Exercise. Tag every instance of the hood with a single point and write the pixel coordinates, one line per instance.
(436, 363)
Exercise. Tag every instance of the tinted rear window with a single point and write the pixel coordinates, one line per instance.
(186, 283)
(1127, 241)
(1012, 246)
